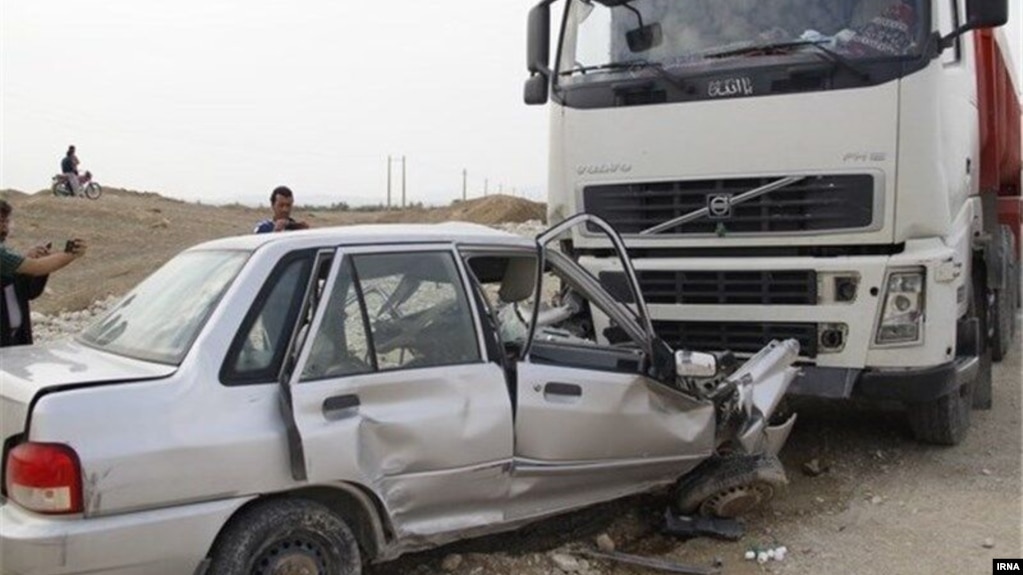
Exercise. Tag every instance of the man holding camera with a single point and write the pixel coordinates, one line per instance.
(281, 200)
(23, 278)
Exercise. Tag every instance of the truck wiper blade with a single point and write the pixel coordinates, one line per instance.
(760, 47)
(734, 201)
(657, 67)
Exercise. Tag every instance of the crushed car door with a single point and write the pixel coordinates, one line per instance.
(596, 419)
(392, 391)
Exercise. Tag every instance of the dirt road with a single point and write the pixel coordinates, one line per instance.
(887, 505)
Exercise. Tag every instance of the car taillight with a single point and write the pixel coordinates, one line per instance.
(45, 477)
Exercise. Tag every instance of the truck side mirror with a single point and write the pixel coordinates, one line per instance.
(539, 39)
(986, 13)
(980, 14)
(644, 38)
(538, 51)
(535, 93)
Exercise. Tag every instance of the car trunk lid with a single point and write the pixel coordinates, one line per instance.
(26, 372)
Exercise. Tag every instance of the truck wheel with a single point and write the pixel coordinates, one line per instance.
(1005, 299)
(982, 308)
(730, 486)
(945, 420)
(284, 536)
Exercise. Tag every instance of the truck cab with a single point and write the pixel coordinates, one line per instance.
(844, 173)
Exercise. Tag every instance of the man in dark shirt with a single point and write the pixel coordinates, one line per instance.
(69, 168)
(23, 278)
(281, 201)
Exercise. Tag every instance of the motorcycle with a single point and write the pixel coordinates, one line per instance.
(61, 186)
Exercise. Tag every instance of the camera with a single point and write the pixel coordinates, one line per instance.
(70, 247)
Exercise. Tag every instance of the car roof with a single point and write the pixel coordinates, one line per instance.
(457, 232)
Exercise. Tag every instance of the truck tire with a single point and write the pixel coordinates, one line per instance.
(983, 309)
(1005, 299)
(945, 420)
(286, 536)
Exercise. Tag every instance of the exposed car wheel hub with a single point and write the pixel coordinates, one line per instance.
(737, 501)
(298, 556)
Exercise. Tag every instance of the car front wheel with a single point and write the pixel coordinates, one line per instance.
(284, 537)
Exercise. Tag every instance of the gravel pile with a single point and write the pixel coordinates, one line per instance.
(47, 328)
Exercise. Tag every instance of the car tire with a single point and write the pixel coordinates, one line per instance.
(730, 486)
(286, 536)
(945, 420)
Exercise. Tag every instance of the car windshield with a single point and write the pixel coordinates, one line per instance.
(160, 318)
(676, 34)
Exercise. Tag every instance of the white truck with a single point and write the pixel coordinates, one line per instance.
(841, 172)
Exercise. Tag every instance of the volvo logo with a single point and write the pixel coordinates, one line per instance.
(719, 206)
(600, 169)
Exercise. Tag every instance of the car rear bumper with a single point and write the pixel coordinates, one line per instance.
(171, 540)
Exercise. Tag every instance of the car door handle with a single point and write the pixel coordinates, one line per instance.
(562, 389)
(340, 406)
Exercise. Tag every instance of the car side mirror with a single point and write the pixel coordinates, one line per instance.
(695, 364)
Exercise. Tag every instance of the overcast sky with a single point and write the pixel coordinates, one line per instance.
(221, 100)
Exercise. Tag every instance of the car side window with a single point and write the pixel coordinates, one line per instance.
(417, 309)
(340, 346)
(256, 354)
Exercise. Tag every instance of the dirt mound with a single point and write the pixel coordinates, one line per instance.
(490, 210)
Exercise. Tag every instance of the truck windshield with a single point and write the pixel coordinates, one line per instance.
(692, 36)
(160, 318)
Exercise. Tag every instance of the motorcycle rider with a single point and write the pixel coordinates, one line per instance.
(69, 168)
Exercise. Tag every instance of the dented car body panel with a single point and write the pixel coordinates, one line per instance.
(370, 367)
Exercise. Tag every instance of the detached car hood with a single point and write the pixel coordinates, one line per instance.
(25, 371)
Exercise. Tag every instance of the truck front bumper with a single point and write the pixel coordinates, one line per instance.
(905, 385)
(912, 385)
(157, 542)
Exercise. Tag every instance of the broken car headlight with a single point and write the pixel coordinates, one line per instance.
(903, 312)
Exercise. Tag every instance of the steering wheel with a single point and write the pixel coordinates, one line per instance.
(407, 329)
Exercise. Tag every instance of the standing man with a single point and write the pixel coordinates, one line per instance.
(69, 168)
(281, 200)
(23, 278)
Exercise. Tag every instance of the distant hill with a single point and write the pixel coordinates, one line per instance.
(130, 234)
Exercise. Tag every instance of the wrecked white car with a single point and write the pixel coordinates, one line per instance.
(309, 401)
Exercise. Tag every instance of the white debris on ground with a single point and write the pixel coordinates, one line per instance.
(47, 328)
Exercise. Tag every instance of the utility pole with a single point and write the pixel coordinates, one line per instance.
(465, 175)
(486, 186)
(388, 182)
(403, 182)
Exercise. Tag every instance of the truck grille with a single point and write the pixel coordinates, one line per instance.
(789, 287)
(739, 337)
(817, 203)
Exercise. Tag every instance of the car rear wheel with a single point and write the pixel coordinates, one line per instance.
(285, 537)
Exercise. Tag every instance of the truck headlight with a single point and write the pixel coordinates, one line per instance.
(903, 313)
